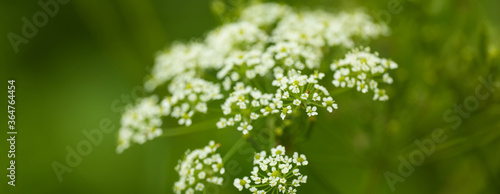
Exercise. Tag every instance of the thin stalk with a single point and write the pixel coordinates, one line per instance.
(254, 144)
(206, 125)
(233, 149)
(272, 135)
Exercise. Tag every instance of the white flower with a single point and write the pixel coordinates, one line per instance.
(329, 103)
(286, 95)
(316, 97)
(245, 127)
(230, 122)
(311, 111)
(285, 111)
(362, 87)
(277, 171)
(339, 80)
(271, 108)
(200, 187)
(255, 103)
(201, 107)
(237, 117)
(240, 183)
(304, 96)
(186, 118)
(296, 102)
(279, 150)
(387, 78)
(373, 84)
(254, 116)
(380, 95)
(300, 160)
(201, 175)
(222, 123)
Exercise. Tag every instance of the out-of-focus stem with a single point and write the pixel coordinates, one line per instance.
(206, 125)
(233, 149)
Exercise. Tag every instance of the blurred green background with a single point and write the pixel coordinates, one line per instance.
(89, 60)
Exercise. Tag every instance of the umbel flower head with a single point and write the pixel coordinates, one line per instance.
(275, 173)
(363, 70)
(269, 64)
(199, 168)
(140, 123)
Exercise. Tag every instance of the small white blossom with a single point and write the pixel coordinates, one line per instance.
(242, 183)
(254, 116)
(245, 127)
(237, 117)
(279, 150)
(387, 78)
(285, 111)
(311, 111)
(200, 187)
(304, 96)
(380, 95)
(329, 103)
(186, 118)
(222, 123)
(300, 160)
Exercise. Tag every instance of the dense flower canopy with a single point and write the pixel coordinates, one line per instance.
(261, 66)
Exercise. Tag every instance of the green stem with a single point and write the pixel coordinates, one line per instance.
(264, 185)
(272, 135)
(233, 149)
(309, 129)
(206, 125)
(254, 144)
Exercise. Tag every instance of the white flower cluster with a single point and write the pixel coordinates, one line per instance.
(236, 36)
(198, 168)
(363, 70)
(293, 91)
(319, 28)
(179, 59)
(274, 173)
(140, 123)
(143, 122)
(265, 15)
(268, 63)
(190, 95)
